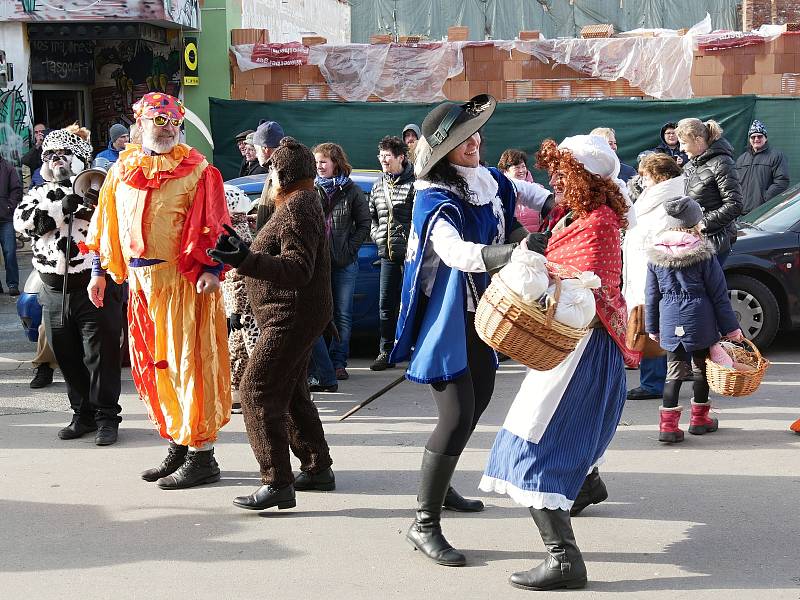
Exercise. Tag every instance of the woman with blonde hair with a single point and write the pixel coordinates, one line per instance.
(711, 180)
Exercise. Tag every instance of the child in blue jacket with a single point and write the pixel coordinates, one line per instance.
(687, 309)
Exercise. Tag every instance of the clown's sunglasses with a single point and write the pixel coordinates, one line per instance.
(161, 120)
(48, 154)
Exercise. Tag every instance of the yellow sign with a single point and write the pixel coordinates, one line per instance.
(190, 62)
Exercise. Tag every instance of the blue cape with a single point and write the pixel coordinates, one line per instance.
(431, 332)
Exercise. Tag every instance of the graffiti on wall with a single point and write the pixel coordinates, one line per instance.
(15, 135)
(183, 12)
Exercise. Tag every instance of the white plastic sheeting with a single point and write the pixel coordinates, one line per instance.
(660, 66)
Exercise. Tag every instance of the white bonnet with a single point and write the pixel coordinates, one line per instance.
(594, 153)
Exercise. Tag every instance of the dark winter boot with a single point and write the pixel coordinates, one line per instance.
(593, 491)
(176, 455)
(668, 430)
(197, 469)
(76, 428)
(425, 533)
(564, 566)
(700, 422)
(455, 501)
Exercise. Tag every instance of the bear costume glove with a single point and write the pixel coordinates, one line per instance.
(230, 249)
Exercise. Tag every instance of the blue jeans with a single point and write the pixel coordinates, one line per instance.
(391, 286)
(343, 282)
(652, 373)
(8, 241)
(321, 367)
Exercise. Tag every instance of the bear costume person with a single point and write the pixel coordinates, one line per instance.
(287, 273)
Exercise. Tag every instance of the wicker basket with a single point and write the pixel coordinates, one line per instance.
(522, 331)
(729, 381)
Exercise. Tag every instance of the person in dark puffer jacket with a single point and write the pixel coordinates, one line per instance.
(390, 205)
(711, 180)
(287, 273)
(763, 171)
(347, 224)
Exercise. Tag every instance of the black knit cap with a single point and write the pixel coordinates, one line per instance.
(293, 162)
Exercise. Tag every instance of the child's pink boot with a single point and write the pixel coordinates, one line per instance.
(668, 430)
(700, 422)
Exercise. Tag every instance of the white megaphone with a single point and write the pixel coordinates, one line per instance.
(90, 179)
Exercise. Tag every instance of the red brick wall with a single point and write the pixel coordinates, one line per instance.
(759, 12)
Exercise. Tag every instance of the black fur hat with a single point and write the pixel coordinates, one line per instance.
(293, 161)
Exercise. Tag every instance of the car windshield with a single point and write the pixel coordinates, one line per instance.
(780, 214)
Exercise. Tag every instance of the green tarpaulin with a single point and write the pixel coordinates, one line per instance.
(504, 19)
(358, 126)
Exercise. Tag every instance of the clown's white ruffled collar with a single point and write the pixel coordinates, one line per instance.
(482, 186)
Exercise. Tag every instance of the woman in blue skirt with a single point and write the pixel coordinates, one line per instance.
(562, 420)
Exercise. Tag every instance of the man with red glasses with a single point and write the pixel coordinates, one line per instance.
(763, 171)
(161, 207)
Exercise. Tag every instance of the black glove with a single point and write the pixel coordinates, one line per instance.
(496, 256)
(236, 321)
(537, 242)
(90, 197)
(70, 203)
(230, 249)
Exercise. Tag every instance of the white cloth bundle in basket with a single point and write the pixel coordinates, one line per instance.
(576, 306)
(526, 274)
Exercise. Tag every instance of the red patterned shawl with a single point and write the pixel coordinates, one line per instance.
(592, 243)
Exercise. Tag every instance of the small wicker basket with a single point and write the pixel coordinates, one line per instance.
(522, 331)
(728, 381)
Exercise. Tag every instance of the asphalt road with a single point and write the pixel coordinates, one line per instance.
(714, 517)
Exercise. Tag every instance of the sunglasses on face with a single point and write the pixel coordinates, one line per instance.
(161, 120)
(50, 154)
(756, 136)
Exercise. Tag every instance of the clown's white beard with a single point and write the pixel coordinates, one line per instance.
(160, 144)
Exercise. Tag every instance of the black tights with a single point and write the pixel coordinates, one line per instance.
(461, 402)
(679, 368)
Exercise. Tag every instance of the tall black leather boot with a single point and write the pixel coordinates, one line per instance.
(593, 491)
(197, 469)
(176, 454)
(564, 566)
(425, 533)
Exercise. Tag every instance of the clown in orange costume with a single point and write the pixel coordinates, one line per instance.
(160, 208)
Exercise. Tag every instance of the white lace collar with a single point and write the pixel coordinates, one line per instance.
(482, 186)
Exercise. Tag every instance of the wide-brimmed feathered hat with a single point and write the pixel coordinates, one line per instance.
(447, 126)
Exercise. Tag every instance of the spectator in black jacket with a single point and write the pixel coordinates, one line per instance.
(347, 224)
(711, 180)
(241, 138)
(32, 160)
(763, 171)
(670, 145)
(10, 195)
(390, 204)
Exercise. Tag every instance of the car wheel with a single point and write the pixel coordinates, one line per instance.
(756, 309)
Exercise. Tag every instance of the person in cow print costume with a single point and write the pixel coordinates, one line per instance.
(85, 339)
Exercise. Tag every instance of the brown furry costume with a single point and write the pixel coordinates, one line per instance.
(288, 282)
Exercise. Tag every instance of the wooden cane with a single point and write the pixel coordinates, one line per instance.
(374, 396)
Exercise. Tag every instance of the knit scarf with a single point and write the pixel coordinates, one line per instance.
(331, 184)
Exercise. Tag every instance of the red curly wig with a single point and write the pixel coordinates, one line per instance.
(583, 191)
